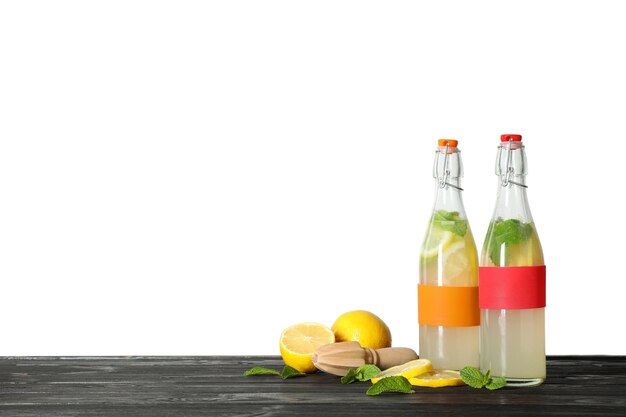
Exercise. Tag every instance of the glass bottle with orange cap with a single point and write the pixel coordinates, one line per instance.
(512, 278)
(448, 312)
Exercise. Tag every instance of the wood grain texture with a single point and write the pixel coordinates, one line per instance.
(215, 386)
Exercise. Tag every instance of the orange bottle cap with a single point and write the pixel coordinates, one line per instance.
(450, 142)
(508, 136)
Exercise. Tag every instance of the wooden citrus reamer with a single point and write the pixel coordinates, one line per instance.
(338, 358)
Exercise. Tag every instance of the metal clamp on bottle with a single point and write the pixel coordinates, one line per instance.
(507, 176)
(443, 181)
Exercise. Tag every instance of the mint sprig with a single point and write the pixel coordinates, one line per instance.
(288, 372)
(487, 378)
(362, 373)
(496, 383)
(367, 372)
(391, 384)
(258, 370)
(476, 379)
(473, 377)
(349, 377)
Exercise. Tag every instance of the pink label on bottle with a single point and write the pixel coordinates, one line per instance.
(512, 287)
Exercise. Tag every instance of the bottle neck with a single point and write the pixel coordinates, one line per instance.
(512, 201)
(447, 171)
(449, 198)
(511, 169)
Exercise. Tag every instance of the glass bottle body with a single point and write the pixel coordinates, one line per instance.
(449, 259)
(512, 341)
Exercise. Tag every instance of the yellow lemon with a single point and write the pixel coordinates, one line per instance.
(407, 370)
(363, 327)
(436, 379)
(298, 342)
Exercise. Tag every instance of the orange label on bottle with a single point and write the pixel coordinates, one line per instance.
(447, 306)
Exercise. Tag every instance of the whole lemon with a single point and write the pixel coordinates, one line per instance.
(363, 327)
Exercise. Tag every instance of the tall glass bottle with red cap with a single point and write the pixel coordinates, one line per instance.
(512, 278)
(448, 312)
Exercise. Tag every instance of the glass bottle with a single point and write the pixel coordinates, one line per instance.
(448, 312)
(512, 278)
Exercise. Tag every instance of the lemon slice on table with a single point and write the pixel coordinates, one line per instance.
(298, 342)
(436, 379)
(407, 370)
(434, 241)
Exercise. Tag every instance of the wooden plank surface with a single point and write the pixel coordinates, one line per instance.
(214, 386)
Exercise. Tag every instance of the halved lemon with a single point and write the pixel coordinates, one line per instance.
(436, 379)
(298, 342)
(407, 370)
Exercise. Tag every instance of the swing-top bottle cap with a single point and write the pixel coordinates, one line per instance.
(508, 136)
(450, 142)
(448, 165)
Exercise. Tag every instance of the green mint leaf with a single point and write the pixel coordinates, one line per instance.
(257, 370)
(473, 377)
(489, 245)
(443, 215)
(391, 384)
(367, 372)
(494, 254)
(507, 232)
(496, 383)
(487, 378)
(350, 377)
(450, 221)
(289, 372)
(460, 227)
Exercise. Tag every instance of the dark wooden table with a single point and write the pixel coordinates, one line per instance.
(214, 386)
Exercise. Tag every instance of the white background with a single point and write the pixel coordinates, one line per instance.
(183, 177)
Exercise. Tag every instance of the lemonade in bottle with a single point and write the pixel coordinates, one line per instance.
(512, 278)
(448, 312)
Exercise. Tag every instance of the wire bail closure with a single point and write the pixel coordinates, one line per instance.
(446, 172)
(510, 172)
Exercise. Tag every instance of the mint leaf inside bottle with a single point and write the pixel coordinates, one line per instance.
(507, 232)
(450, 221)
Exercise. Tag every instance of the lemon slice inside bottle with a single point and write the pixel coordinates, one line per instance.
(407, 370)
(437, 240)
(456, 262)
(437, 379)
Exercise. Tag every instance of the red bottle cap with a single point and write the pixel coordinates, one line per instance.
(507, 137)
(450, 142)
